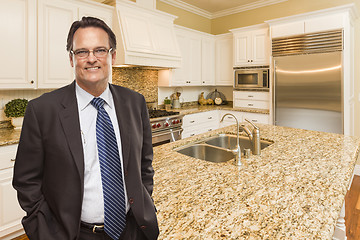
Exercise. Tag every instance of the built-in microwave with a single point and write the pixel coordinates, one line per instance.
(251, 77)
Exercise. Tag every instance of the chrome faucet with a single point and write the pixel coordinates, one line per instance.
(254, 136)
(237, 151)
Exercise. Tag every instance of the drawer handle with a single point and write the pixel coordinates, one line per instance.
(192, 121)
(250, 104)
(250, 96)
(192, 134)
(254, 120)
(209, 130)
(209, 117)
(13, 159)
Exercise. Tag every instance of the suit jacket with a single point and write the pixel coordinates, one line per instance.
(49, 167)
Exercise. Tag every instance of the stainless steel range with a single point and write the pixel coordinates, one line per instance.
(166, 126)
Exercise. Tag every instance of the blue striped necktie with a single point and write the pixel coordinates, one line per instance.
(111, 172)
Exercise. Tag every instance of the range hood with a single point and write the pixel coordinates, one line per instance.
(145, 36)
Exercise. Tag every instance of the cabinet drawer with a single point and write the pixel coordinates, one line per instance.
(7, 156)
(199, 118)
(262, 96)
(251, 104)
(257, 118)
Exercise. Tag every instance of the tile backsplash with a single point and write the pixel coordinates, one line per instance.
(144, 81)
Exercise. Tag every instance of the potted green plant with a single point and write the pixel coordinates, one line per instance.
(15, 110)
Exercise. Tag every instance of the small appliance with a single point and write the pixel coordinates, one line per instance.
(251, 77)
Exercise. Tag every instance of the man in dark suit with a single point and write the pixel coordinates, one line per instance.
(59, 170)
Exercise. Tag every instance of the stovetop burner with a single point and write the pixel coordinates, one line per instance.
(155, 113)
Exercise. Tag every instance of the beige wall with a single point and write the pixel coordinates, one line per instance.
(185, 18)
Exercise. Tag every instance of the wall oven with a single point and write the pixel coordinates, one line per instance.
(251, 77)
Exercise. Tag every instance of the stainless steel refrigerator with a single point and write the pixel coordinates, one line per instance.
(308, 91)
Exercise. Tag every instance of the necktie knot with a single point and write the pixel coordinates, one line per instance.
(98, 103)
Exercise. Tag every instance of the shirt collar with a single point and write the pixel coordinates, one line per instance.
(84, 98)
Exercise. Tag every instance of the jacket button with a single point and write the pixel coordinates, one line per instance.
(143, 227)
(131, 200)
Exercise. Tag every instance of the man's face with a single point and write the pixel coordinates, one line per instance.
(91, 71)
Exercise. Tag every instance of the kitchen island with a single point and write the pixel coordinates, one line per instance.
(294, 190)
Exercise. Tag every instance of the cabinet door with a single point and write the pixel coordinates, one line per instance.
(224, 61)
(243, 46)
(100, 12)
(324, 23)
(208, 61)
(181, 75)
(10, 211)
(55, 19)
(18, 44)
(260, 47)
(195, 61)
(287, 29)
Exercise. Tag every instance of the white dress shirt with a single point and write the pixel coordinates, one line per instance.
(93, 202)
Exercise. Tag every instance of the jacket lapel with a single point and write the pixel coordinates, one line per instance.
(122, 111)
(69, 118)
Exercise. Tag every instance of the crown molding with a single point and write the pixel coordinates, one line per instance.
(193, 9)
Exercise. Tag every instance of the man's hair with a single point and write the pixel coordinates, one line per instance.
(90, 22)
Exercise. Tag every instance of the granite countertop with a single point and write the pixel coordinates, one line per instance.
(197, 108)
(10, 136)
(294, 190)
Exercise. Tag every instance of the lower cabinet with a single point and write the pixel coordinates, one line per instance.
(10, 211)
(198, 123)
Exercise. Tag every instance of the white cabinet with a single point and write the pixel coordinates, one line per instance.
(18, 44)
(229, 120)
(257, 118)
(251, 45)
(54, 20)
(224, 60)
(309, 25)
(36, 39)
(10, 211)
(198, 60)
(249, 99)
(198, 123)
(208, 60)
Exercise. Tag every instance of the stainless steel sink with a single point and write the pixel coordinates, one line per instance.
(207, 152)
(229, 142)
(216, 148)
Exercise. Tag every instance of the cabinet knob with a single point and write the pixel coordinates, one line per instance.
(12, 159)
(209, 117)
(252, 60)
(192, 121)
(248, 60)
(250, 104)
(32, 81)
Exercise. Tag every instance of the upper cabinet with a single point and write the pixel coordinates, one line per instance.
(35, 42)
(198, 60)
(290, 27)
(224, 74)
(251, 45)
(18, 44)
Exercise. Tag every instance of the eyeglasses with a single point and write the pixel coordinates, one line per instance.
(98, 53)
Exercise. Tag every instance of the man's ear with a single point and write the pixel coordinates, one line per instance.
(113, 57)
(71, 59)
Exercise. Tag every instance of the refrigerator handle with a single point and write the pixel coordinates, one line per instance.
(273, 93)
